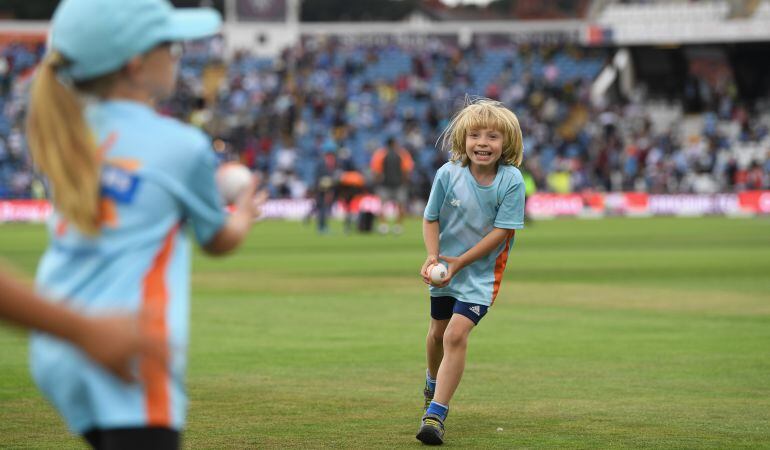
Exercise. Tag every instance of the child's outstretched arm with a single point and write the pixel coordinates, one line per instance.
(248, 207)
(430, 232)
(491, 241)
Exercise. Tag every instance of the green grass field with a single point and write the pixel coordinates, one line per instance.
(611, 333)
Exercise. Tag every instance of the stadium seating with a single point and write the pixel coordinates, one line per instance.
(358, 95)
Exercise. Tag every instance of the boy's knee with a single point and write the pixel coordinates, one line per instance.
(436, 336)
(454, 338)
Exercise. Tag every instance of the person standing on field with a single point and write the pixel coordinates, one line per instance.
(392, 168)
(475, 206)
(128, 184)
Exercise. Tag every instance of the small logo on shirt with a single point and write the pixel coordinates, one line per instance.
(476, 309)
(455, 202)
(118, 184)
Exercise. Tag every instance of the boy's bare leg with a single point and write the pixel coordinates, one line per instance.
(435, 345)
(453, 363)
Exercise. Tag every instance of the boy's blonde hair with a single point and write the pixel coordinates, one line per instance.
(478, 114)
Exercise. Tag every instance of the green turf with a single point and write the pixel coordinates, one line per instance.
(611, 333)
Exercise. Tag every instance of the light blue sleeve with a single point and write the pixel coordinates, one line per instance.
(437, 195)
(510, 215)
(202, 204)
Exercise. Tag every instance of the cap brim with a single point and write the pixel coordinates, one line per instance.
(193, 23)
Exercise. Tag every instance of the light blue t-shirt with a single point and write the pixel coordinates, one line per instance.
(157, 181)
(466, 212)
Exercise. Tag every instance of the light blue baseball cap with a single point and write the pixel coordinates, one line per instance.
(100, 36)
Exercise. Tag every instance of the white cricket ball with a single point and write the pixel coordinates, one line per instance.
(437, 273)
(232, 178)
(499, 429)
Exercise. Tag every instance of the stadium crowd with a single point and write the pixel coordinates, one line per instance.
(281, 115)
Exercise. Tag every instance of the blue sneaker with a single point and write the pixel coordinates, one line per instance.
(432, 430)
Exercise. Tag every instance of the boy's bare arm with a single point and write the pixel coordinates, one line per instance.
(430, 236)
(495, 237)
(430, 232)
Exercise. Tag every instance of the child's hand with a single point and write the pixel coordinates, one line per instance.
(251, 200)
(114, 342)
(425, 271)
(454, 265)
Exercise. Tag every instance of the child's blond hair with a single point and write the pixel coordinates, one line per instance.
(480, 113)
(62, 146)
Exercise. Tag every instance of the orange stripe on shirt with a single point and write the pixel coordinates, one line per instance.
(500, 262)
(155, 301)
(106, 146)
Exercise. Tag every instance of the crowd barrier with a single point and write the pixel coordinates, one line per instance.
(638, 204)
(539, 206)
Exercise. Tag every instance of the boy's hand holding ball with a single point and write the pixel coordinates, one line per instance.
(430, 261)
(433, 272)
(438, 273)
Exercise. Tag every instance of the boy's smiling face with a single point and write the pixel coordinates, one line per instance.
(484, 147)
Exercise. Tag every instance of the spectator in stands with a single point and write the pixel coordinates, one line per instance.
(756, 178)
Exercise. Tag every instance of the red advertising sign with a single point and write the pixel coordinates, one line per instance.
(755, 202)
(693, 204)
(24, 210)
(553, 205)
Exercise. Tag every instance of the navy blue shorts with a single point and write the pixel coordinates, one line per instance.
(442, 308)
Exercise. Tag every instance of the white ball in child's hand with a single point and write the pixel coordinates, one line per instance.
(232, 179)
(437, 273)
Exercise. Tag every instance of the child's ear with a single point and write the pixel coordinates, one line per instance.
(133, 67)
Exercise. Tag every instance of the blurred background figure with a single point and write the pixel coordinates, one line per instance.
(127, 184)
(351, 184)
(391, 168)
(326, 174)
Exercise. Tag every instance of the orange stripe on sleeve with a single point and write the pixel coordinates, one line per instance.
(129, 165)
(105, 146)
(500, 262)
(155, 301)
